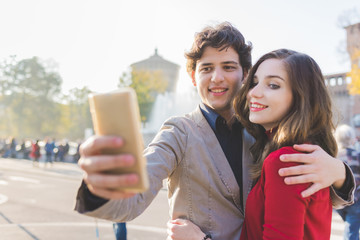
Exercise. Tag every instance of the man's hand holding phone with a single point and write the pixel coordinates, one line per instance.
(113, 161)
(95, 164)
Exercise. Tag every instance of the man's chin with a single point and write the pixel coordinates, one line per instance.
(221, 108)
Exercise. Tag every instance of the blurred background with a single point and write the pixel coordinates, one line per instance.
(54, 53)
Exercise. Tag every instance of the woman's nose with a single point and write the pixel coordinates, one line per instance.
(256, 92)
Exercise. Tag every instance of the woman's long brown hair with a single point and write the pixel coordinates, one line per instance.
(309, 119)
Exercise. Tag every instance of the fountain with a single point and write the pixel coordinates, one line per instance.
(167, 105)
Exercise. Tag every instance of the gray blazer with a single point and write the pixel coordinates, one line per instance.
(201, 184)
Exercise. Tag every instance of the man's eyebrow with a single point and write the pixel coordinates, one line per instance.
(206, 64)
(230, 62)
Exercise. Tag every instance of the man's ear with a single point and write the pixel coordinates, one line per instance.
(193, 78)
(245, 75)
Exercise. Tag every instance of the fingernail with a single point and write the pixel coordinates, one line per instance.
(129, 160)
(132, 179)
(118, 141)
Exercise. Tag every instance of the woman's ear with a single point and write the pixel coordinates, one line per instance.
(193, 78)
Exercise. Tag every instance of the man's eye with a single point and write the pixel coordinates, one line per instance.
(229, 67)
(206, 69)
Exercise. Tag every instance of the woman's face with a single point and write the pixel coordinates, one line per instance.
(270, 97)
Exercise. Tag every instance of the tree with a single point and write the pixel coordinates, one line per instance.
(348, 17)
(147, 85)
(28, 90)
(75, 116)
(354, 74)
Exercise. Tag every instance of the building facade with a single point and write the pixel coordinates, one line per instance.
(346, 107)
(169, 70)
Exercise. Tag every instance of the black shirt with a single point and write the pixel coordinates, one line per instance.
(230, 141)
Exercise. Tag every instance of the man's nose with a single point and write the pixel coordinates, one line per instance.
(217, 75)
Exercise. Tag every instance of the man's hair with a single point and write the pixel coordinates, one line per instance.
(309, 119)
(220, 37)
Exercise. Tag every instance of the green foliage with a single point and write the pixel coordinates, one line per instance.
(147, 85)
(27, 91)
(75, 113)
(32, 105)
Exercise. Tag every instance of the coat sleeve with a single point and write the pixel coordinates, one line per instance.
(163, 155)
(284, 207)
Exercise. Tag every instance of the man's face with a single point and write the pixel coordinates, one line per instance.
(218, 77)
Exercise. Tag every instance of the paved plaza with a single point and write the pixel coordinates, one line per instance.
(36, 202)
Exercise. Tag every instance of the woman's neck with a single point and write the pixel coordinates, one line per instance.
(271, 132)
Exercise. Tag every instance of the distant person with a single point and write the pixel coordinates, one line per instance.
(120, 231)
(13, 148)
(346, 138)
(77, 154)
(2, 147)
(10, 148)
(63, 150)
(24, 150)
(49, 151)
(66, 148)
(35, 152)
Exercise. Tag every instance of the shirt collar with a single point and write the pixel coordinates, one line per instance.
(210, 115)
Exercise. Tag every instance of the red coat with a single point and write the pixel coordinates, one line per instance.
(35, 151)
(275, 210)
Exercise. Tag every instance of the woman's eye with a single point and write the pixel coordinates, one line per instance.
(274, 86)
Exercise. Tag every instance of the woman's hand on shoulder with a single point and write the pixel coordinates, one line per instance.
(318, 168)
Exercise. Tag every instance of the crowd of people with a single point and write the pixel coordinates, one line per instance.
(48, 150)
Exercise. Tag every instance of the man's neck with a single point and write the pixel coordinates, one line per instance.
(228, 115)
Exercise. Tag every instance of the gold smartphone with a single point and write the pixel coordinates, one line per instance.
(117, 113)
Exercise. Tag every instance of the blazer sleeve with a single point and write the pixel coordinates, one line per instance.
(163, 155)
(345, 196)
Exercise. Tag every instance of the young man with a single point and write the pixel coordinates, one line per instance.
(204, 155)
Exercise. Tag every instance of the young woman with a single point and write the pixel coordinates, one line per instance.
(284, 101)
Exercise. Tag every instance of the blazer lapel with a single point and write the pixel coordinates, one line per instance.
(247, 160)
(218, 157)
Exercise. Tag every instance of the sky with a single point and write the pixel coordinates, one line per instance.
(94, 42)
